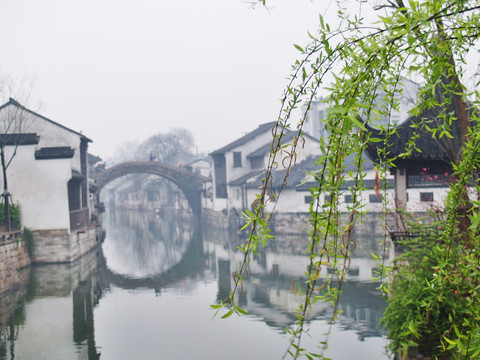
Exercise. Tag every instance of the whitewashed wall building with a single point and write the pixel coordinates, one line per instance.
(239, 166)
(48, 179)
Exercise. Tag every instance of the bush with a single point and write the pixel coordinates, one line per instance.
(29, 241)
(434, 302)
(15, 216)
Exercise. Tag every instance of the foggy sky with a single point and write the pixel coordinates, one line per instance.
(121, 70)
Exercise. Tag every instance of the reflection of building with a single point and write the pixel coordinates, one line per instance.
(48, 178)
(53, 292)
(267, 293)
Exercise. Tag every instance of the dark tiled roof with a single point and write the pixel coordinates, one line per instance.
(243, 179)
(17, 104)
(350, 163)
(296, 176)
(432, 148)
(298, 173)
(47, 153)
(260, 130)
(19, 139)
(265, 149)
(367, 184)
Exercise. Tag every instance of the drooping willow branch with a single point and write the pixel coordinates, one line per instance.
(363, 64)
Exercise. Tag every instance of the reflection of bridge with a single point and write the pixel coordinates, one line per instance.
(192, 263)
(187, 181)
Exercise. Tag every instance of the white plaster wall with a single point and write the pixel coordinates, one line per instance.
(415, 205)
(310, 147)
(52, 134)
(313, 125)
(305, 148)
(245, 149)
(202, 167)
(220, 204)
(40, 186)
(290, 200)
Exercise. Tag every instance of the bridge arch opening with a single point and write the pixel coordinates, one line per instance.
(189, 183)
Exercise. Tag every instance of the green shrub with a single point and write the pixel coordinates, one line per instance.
(29, 241)
(434, 297)
(15, 216)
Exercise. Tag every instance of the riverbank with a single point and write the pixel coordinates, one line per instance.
(296, 223)
(13, 258)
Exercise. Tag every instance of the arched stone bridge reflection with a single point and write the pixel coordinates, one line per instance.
(191, 264)
(187, 181)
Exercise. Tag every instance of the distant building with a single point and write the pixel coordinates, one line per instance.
(48, 178)
(318, 110)
(204, 167)
(239, 166)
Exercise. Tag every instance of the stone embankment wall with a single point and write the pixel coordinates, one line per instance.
(59, 246)
(63, 278)
(218, 219)
(296, 223)
(299, 223)
(13, 258)
(10, 299)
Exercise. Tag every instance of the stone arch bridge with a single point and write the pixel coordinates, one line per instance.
(186, 180)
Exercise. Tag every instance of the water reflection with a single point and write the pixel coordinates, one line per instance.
(142, 244)
(46, 328)
(268, 295)
(147, 295)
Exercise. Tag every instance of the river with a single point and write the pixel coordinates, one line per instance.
(146, 294)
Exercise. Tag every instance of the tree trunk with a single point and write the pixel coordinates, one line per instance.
(5, 195)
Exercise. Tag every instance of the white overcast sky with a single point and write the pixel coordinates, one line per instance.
(122, 70)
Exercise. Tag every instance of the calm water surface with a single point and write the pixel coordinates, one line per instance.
(146, 295)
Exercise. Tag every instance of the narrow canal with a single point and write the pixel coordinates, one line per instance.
(146, 295)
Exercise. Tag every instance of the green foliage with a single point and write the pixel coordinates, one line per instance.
(428, 41)
(15, 216)
(434, 296)
(29, 241)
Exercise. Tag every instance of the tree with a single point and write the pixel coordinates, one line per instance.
(15, 121)
(127, 151)
(173, 147)
(429, 41)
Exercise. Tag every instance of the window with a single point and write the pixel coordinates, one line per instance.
(429, 176)
(426, 196)
(74, 195)
(220, 171)
(328, 198)
(256, 163)
(375, 198)
(348, 199)
(237, 159)
(308, 199)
